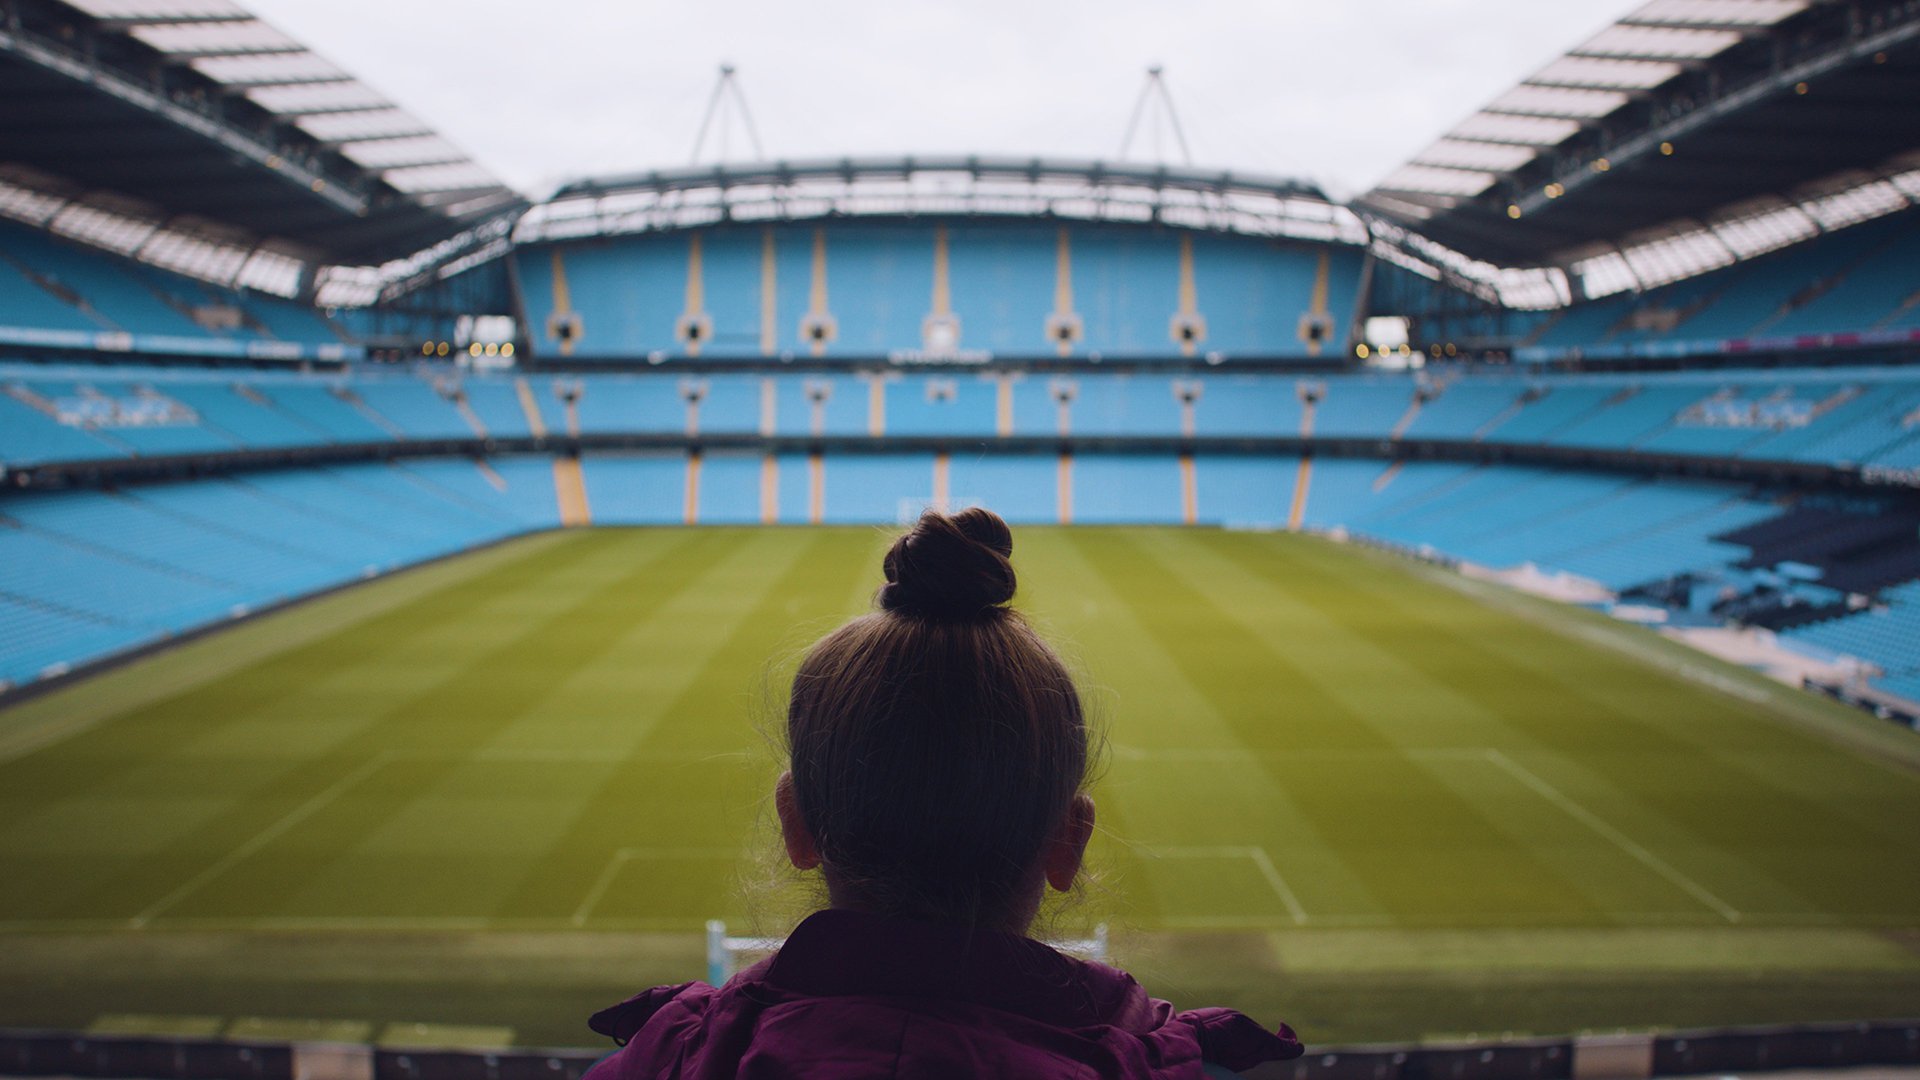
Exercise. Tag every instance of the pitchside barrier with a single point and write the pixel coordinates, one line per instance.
(724, 952)
(1587, 1057)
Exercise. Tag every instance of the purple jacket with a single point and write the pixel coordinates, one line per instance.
(853, 995)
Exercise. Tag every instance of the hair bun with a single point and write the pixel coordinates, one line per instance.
(950, 566)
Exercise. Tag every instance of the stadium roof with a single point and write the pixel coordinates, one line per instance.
(192, 119)
(957, 184)
(1688, 135)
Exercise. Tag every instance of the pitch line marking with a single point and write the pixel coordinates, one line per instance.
(1623, 841)
(1126, 752)
(559, 924)
(261, 839)
(1262, 862)
(626, 854)
(567, 757)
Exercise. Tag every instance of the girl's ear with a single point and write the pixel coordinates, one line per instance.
(801, 849)
(1068, 848)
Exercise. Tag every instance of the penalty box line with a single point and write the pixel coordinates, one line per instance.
(619, 860)
(261, 839)
(1262, 862)
(1625, 843)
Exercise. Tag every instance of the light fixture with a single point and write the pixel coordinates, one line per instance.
(1362, 351)
(1666, 149)
(1513, 211)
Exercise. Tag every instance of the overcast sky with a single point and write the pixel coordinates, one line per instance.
(1338, 91)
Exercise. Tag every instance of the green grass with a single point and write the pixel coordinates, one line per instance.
(1370, 798)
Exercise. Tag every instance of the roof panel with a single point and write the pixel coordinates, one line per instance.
(1869, 200)
(160, 9)
(1422, 178)
(325, 97)
(378, 186)
(1520, 130)
(1717, 12)
(430, 178)
(348, 126)
(1458, 154)
(103, 228)
(1530, 100)
(1683, 112)
(1607, 73)
(1765, 231)
(268, 69)
(1661, 261)
(24, 203)
(393, 153)
(236, 37)
(1657, 42)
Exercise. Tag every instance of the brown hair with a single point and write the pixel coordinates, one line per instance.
(938, 742)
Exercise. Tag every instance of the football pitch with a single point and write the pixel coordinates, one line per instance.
(1362, 795)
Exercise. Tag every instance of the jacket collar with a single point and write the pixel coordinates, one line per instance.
(841, 953)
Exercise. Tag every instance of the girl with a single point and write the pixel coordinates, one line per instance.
(938, 751)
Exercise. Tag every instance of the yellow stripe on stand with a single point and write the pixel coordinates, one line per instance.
(692, 513)
(488, 473)
(1189, 314)
(942, 288)
(1063, 293)
(942, 462)
(940, 329)
(769, 490)
(1297, 513)
(696, 296)
(876, 405)
(570, 489)
(465, 409)
(1189, 491)
(817, 292)
(1003, 404)
(528, 405)
(769, 298)
(816, 489)
(1316, 307)
(1065, 495)
(1407, 418)
(1386, 477)
(562, 301)
(769, 407)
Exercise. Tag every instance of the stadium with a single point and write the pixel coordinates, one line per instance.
(1500, 588)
